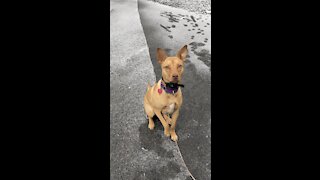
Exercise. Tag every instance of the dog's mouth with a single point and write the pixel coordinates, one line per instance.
(172, 81)
(175, 81)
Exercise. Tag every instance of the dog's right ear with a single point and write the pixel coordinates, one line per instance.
(161, 55)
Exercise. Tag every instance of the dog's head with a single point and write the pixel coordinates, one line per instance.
(172, 67)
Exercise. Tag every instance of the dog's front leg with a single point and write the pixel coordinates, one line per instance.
(163, 122)
(167, 118)
(174, 119)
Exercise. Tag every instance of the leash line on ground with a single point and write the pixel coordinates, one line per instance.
(184, 162)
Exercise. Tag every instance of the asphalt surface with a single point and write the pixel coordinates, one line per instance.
(171, 28)
(135, 151)
(198, 6)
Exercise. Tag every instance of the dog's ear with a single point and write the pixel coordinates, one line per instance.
(161, 55)
(182, 53)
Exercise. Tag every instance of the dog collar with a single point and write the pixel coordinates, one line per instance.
(170, 88)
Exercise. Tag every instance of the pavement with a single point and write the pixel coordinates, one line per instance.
(135, 151)
(170, 28)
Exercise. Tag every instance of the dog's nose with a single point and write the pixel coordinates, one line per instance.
(175, 76)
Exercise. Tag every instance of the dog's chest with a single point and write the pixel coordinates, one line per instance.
(170, 108)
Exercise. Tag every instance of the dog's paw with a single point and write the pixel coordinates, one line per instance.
(151, 126)
(174, 137)
(167, 132)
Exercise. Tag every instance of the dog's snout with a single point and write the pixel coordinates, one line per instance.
(175, 76)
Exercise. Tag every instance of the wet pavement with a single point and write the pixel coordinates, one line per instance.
(135, 151)
(171, 28)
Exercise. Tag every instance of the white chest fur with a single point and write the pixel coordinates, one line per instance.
(170, 108)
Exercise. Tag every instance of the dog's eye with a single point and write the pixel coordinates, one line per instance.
(167, 67)
(179, 66)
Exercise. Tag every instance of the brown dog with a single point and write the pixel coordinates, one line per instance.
(164, 98)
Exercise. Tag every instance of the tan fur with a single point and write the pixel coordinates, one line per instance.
(167, 104)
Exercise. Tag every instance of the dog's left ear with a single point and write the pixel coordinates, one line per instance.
(182, 53)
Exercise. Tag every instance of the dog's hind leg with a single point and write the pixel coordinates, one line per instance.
(150, 113)
(151, 123)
